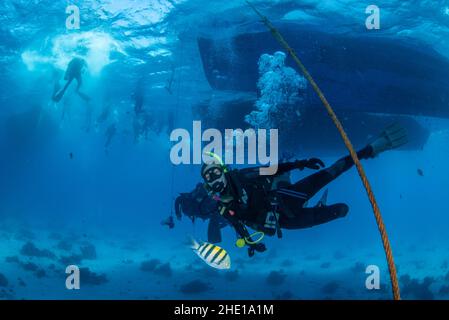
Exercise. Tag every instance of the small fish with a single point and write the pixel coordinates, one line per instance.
(71, 155)
(213, 255)
(420, 172)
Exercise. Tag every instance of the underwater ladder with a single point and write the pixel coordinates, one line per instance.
(361, 171)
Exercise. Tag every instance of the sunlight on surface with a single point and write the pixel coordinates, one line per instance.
(94, 47)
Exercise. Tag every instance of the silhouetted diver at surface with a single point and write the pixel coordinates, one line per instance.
(74, 72)
(109, 134)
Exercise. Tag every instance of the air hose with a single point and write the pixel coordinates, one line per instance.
(361, 171)
(244, 241)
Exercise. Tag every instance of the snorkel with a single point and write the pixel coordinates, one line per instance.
(219, 160)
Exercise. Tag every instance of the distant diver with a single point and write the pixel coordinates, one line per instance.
(138, 96)
(170, 122)
(269, 203)
(420, 172)
(141, 121)
(169, 84)
(74, 71)
(104, 115)
(110, 133)
(198, 205)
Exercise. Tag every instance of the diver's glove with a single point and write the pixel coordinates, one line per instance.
(259, 247)
(169, 222)
(313, 163)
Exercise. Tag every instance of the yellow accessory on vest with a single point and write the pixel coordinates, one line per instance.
(241, 242)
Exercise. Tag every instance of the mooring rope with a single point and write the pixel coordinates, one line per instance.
(176, 115)
(361, 171)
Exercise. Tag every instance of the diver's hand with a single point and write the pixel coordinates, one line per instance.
(259, 247)
(313, 163)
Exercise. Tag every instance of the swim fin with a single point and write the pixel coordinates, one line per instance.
(323, 200)
(57, 97)
(392, 137)
(83, 96)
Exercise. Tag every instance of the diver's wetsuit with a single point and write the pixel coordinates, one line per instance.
(198, 204)
(309, 187)
(110, 133)
(139, 98)
(73, 72)
(195, 204)
(251, 199)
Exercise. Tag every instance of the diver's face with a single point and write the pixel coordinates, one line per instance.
(215, 179)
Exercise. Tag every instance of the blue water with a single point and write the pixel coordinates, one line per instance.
(62, 190)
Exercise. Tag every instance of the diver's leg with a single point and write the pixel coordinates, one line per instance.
(56, 88)
(58, 96)
(67, 85)
(85, 97)
(310, 185)
(309, 217)
(108, 141)
(344, 164)
(79, 81)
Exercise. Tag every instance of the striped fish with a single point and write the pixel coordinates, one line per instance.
(213, 255)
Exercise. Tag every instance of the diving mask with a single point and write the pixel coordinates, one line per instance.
(215, 179)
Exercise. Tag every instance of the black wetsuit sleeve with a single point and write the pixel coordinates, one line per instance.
(254, 172)
(288, 166)
(241, 229)
(248, 173)
(207, 207)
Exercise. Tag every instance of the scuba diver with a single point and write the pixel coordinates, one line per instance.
(138, 96)
(198, 204)
(269, 203)
(74, 71)
(109, 134)
(105, 113)
(142, 119)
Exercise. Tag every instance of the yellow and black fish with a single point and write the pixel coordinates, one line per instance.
(213, 255)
